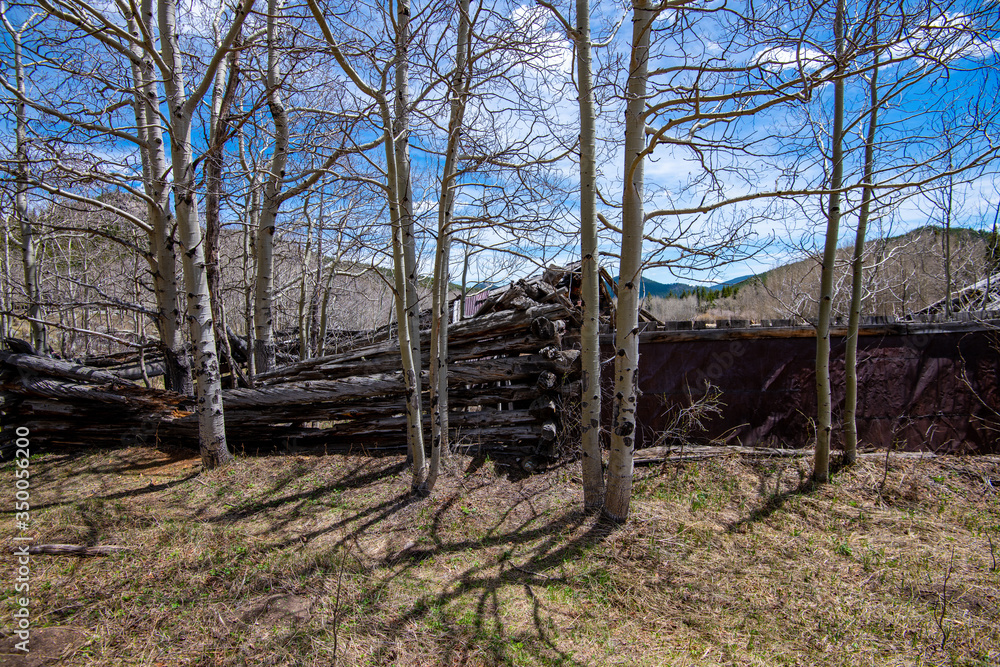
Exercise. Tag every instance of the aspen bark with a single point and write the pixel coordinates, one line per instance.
(304, 320)
(155, 169)
(251, 208)
(324, 303)
(404, 249)
(5, 296)
(850, 421)
(623, 425)
(442, 258)
(29, 248)
(208, 382)
(264, 349)
(824, 393)
(590, 405)
(223, 92)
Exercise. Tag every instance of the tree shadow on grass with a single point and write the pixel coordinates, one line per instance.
(482, 636)
(776, 500)
(152, 487)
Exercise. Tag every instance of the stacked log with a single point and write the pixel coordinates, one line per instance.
(508, 376)
(64, 403)
(500, 363)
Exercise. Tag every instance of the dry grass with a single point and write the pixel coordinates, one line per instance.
(275, 561)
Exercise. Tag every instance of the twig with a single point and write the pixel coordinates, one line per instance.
(944, 602)
(885, 469)
(531, 572)
(989, 536)
(336, 607)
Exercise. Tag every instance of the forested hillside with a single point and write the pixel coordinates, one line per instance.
(902, 274)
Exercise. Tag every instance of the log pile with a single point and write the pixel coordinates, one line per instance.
(64, 403)
(512, 372)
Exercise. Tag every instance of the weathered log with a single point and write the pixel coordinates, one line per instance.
(549, 431)
(19, 346)
(547, 329)
(496, 359)
(538, 290)
(495, 325)
(661, 454)
(547, 381)
(134, 371)
(489, 438)
(543, 407)
(565, 359)
(315, 392)
(457, 420)
(464, 397)
(386, 359)
(63, 369)
(509, 368)
(128, 395)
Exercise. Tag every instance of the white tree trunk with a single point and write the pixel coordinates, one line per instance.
(590, 405)
(623, 424)
(208, 382)
(264, 283)
(850, 421)
(161, 239)
(5, 295)
(304, 320)
(29, 250)
(824, 394)
(251, 212)
(442, 278)
(404, 251)
(223, 92)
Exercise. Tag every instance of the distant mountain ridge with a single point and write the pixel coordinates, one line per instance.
(664, 290)
(649, 287)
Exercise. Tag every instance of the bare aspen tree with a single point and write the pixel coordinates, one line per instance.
(223, 94)
(5, 291)
(158, 210)
(133, 43)
(303, 315)
(263, 283)
(824, 392)
(623, 423)
(850, 422)
(395, 140)
(405, 264)
(590, 357)
(943, 202)
(590, 401)
(208, 381)
(925, 43)
(29, 240)
(334, 263)
(704, 111)
(458, 91)
(251, 211)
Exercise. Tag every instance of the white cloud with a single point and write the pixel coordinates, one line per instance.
(801, 59)
(946, 38)
(557, 52)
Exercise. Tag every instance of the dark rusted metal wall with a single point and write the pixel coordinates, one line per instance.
(934, 392)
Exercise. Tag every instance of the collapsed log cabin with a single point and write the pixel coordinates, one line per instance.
(515, 382)
(513, 377)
